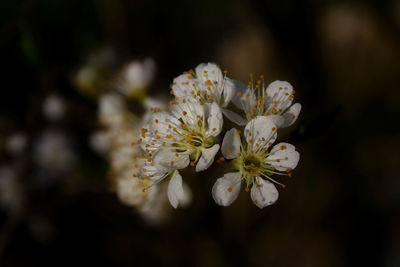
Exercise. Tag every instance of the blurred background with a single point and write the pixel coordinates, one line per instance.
(341, 207)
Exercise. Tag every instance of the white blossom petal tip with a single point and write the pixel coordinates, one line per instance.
(175, 189)
(263, 193)
(231, 144)
(226, 189)
(207, 158)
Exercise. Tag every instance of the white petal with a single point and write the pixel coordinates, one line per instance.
(231, 144)
(146, 138)
(277, 119)
(226, 189)
(207, 158)
(234, 117)
(290, 116)
(189, 111)
(279, 89)
(182, 86)
(208, 71)
(215, 120)
(229, 91)
(175, 189)
(153, 172)
(263, 193)
(283, 156)
(160, 120)
(239, 87)
(260, 130)
(170, 159)
(280, 96)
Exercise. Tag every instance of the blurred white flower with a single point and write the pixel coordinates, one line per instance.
(206, 84)
(256, 162)
(53, 107)
(275, 102)
(136, 77)
(112, 109)
(100, 142)
(53, 151)
(115, 140)
(130, 189)
(11, 193)
(16, 143)
(93, 77)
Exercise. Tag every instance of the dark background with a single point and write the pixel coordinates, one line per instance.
(340, 208)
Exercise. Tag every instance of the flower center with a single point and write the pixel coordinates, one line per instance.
(251, 164)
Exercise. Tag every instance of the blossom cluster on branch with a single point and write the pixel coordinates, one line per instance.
(187, 135)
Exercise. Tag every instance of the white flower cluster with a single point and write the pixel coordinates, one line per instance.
(188, 134)
(114, 140)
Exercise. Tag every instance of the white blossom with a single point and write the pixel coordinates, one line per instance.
(94, 76)
(174, 140)
(53, 151)
(275, 102)
(136, 77)
(112, 109)
(185, 135)
(149, 199)
(256, 161)
(100, 142)
(207, 84)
